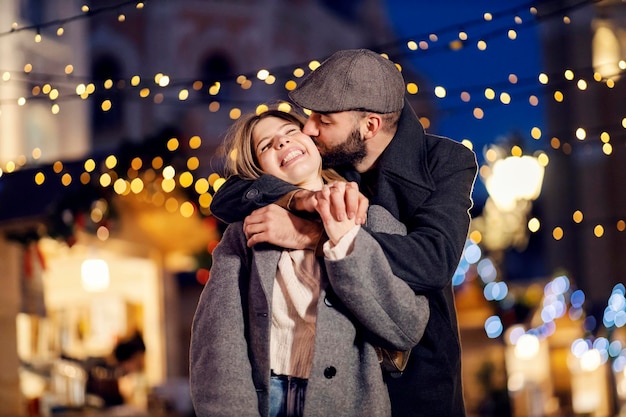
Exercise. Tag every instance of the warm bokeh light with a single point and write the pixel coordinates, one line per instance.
(111, 161)
(440, 92)
(169, 172)
(39, 178)
(557, 233)
(105, 180)
(172, 144)
(195, 142)
(186, 179)
(218, 183)
(598, 230)
(201, 186)
(187, 209)
(534, 224)
(577, 216)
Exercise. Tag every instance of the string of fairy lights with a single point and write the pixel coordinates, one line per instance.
(481, 97)
(83, 90)
(85, 12)
(163, 179)
(163, 82)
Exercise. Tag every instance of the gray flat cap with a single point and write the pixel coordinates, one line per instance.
(353, 79)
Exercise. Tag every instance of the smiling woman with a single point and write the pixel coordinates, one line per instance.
(285, 152)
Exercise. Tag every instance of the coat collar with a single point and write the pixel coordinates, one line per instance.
(406, 156)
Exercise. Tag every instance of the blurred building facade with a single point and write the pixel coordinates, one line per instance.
(585, 189)
(589, 163)
(210, 53)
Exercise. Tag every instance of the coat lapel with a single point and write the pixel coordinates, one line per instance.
(404, 180)
(264, 266)
(262, 274)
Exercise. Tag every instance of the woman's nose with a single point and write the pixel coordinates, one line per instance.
(282, 141)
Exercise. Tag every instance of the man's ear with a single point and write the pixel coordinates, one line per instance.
(373, 123)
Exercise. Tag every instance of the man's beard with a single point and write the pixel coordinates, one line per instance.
(350, 152)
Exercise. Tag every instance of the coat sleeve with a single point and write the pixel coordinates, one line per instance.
(380, 301)
(427, 257)
(220, 371)
(237, 198)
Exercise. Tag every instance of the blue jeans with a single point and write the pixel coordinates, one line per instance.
(287, 396)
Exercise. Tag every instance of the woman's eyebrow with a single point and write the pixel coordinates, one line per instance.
(277, 130)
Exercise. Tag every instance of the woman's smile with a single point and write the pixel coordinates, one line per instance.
(292, 154)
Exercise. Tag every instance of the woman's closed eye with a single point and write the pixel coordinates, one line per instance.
(263, 146)
(287, 130)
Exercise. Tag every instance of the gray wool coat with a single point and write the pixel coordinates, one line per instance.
(363, 304)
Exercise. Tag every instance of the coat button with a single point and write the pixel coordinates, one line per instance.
(251, 194)
(330, 372)
(328, 302)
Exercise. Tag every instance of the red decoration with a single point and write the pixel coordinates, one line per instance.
(211, 246)
(210, 222)
(203, 275)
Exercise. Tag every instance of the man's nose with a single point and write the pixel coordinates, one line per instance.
(310, 128)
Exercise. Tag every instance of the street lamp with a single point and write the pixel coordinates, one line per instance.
(513, 183)
(513, 179)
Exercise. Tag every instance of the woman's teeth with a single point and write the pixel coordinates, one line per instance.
(291, 155)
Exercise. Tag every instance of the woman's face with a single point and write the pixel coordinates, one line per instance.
(286, 153)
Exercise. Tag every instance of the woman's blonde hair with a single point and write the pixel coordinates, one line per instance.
(241, 158)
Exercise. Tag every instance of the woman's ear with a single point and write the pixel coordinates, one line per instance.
(372, 125)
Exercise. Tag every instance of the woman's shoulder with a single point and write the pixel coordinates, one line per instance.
(234, 229)
(380, 220)
(234, 235)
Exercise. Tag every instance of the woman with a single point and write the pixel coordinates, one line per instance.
(281, 332)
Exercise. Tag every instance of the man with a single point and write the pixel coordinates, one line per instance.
(365, 129)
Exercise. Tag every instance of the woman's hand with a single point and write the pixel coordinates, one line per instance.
(331, 199)
(347, 201)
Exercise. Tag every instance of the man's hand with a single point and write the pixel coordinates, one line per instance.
(335, 229)
(346, 202)
(275, 225)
